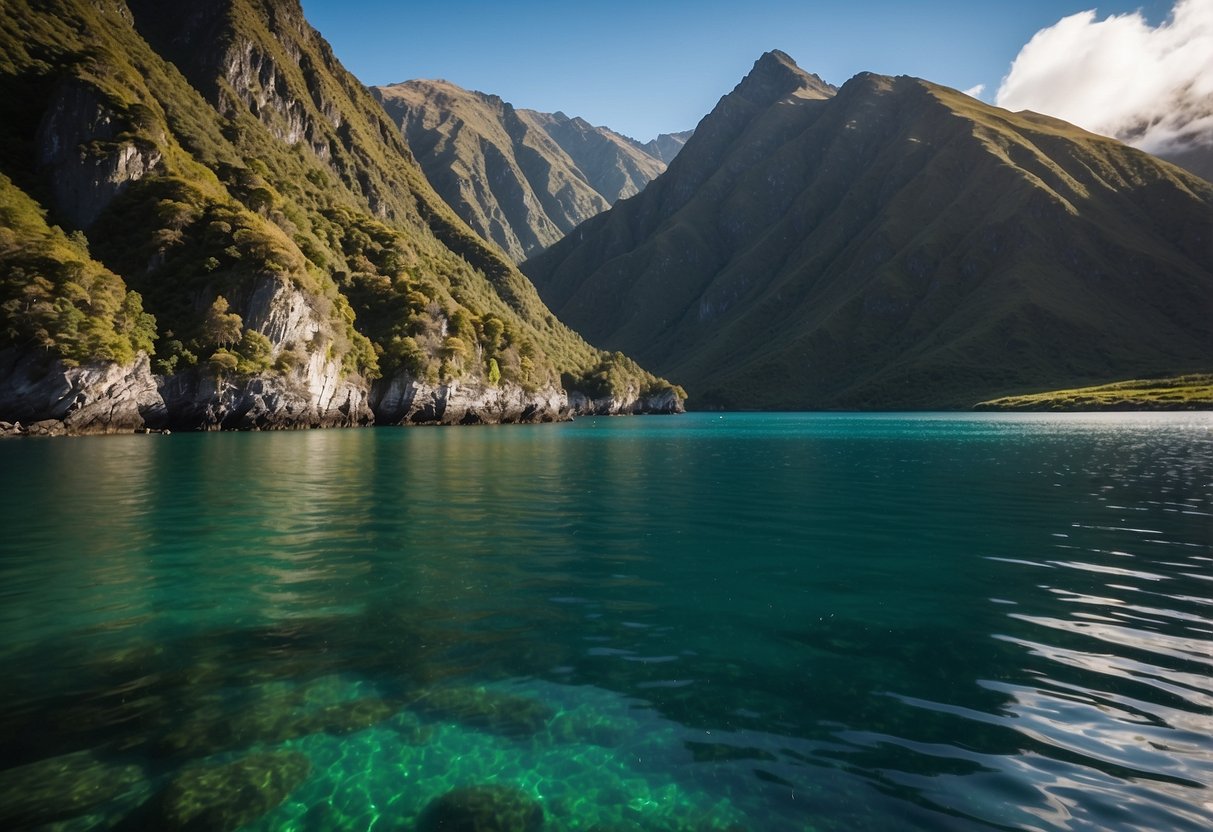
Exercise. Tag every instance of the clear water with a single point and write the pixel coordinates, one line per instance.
(775, 622)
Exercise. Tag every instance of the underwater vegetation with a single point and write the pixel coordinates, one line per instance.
(274, 726)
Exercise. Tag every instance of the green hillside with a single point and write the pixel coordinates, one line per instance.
(897, 245)
(1192, 392)
(201, 152)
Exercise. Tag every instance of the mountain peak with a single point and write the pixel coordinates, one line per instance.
(776, 57)
(775, 75)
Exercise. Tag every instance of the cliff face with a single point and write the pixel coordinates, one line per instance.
(82, 150)
(520, 178)
(893, 244)
(308, 390)
(196, 199)
(99, 398)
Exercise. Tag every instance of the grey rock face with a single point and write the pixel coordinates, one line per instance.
(404, 400)
(313, 393)
(95, 398)
(665, 402)
(78, 146)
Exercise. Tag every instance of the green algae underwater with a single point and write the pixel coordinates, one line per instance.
(710, 622)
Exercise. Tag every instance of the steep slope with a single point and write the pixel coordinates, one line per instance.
(615, 166)
(222, 172)
(520, 178)
(896, 245)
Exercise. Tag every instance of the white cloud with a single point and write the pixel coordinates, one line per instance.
(975, 92)
(1150, 86)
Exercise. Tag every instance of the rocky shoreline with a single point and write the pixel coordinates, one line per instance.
(37, 399)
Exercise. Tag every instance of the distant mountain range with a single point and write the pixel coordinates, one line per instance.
(520, 178)
(892, 244)
(206, 221)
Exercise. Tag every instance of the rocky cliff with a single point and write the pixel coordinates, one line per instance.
(205, 222)
(520, 178)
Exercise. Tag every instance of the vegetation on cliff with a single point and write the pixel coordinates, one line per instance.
(195, 151)
(54, 297)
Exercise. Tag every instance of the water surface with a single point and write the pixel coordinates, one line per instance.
(702, 622)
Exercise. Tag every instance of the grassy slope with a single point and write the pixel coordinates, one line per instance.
(901, 246)
(343, 210)
(1191, 392)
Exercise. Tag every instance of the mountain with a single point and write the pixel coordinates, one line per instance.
(667, 145)
(1195, 157)
(207, 221)
(894, 245)
(520, 178)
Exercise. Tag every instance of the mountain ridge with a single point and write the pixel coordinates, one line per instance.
(520, 178)
(897, 244)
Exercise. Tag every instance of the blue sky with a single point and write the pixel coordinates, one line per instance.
(644, 68)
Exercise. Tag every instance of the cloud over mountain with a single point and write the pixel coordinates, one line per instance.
(1149, 86)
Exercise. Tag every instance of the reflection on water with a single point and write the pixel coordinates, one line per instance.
(738, 622)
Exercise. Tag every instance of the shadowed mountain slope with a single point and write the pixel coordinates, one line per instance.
(520, 178)
(896, 245)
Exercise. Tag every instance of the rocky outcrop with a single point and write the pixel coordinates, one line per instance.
(663, 402)
(82, 151)
(59, 787)
(312, 391)
(50, 400)
(47, 398)
(487, 808)
(199, 401)
(229, 796)
(404, 400)
(38, 399)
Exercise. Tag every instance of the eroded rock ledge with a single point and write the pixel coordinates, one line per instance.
(50, 399)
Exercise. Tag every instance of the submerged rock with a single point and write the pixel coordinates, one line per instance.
(499, 713)
(226, 797)
(62, 787)
(268, 721)
(482, 809)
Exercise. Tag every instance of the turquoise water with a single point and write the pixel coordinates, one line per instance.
(764, 622)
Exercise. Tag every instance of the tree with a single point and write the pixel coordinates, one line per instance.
(221, 327)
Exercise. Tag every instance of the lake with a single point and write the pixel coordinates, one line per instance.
(703, 622)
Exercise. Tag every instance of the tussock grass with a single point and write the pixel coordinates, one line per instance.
(1188, 392)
